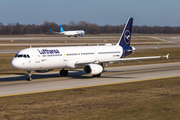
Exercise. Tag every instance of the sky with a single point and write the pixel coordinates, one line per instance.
(100, 12)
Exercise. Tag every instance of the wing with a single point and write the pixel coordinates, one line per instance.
(119, 60)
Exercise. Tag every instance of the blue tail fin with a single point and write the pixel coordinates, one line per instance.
(61, 28)
(125, 38)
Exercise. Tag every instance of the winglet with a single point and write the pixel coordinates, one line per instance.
(167, 56)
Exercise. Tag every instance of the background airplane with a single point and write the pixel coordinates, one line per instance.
(91, 58)
(70, 33)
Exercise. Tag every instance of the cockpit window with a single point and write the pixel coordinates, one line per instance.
(28, 56)
(19, 55)
(16, 55)
(22, 55)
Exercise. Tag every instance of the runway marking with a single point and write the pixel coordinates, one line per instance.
(88, 86)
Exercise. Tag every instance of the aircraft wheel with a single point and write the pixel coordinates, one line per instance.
(93, 75)
(65, 73)
(99, 75)
(61, 72)
(29, 78)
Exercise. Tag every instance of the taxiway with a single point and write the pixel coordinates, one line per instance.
(16, 84)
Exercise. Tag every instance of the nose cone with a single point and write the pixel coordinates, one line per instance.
(15, 64)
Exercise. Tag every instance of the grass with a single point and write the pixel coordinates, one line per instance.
(147, 100)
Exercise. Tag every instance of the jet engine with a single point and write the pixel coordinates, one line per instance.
(81, 34)
(43, 71)
(93, 69)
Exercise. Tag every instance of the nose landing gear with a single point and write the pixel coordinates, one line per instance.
(29, 78)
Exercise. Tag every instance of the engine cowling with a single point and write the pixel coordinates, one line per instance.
(93, 69)
(43, 71)
(81, 34)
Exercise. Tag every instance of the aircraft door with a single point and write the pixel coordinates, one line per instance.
(95, 54)
(64, 55)
(37, 56)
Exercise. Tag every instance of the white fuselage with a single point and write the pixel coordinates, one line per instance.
(74, 32)
(63, 57)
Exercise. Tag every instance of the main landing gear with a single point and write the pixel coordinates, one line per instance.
(29, 78)
(98, 75)
(63, 72)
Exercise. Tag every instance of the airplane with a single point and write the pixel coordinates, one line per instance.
(91, 58)
(70, 33)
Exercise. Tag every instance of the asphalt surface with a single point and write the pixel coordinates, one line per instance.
(16, 84)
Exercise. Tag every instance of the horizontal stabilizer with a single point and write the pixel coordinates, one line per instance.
(54, 31)
(144, 49)
(167, 56)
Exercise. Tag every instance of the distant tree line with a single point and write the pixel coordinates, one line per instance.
(16, 28)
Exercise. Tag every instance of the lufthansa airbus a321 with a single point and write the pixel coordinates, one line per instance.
(90, 58)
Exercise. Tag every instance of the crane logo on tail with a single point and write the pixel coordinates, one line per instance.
(127, 36)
